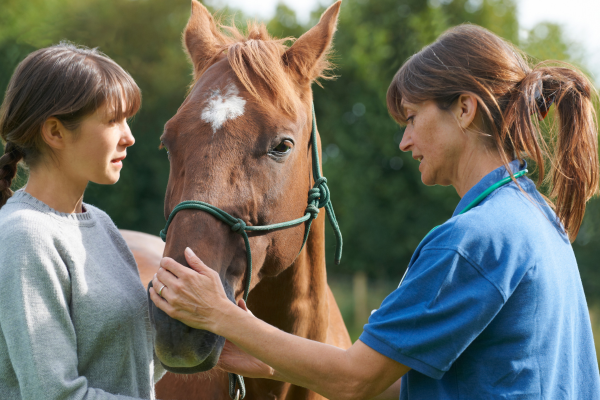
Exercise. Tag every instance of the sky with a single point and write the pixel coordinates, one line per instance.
(580, 19)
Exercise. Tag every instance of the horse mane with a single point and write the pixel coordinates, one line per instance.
(256, 55)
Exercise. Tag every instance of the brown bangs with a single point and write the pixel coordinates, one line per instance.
(426, 77)
(410, 85)
(117, 90)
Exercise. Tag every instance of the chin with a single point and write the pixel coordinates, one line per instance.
(107, 180)
(427, 181)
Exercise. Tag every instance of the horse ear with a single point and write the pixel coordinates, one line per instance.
(200, 37)
(308, 55)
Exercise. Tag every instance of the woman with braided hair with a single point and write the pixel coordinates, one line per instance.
(64, 334)
(492, 305)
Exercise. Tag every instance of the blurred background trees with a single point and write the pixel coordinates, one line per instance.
(383, 208)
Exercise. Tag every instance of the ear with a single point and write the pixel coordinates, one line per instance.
(307, 57)
(200, 37)
(53, 133)
(465, 111)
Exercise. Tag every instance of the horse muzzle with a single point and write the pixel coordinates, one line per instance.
(181, 349)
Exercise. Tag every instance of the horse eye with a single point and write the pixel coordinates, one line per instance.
(284, 147)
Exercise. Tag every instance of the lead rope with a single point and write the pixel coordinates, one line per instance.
(318, 197)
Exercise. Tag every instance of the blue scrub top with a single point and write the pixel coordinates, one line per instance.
(492, 306)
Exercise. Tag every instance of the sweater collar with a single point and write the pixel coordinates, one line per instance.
(21, 196)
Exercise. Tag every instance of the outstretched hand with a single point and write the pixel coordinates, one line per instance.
(196, 297)
(193, 296)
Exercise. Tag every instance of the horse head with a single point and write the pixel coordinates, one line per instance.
(241, 141)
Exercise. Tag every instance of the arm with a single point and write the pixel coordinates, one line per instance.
(198, 300)
(40, 342)
(237, 361)
(391, 393)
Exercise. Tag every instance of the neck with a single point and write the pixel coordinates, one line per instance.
(52, 186)
(475, 164)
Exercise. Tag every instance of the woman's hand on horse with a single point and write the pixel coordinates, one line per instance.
(193, 296)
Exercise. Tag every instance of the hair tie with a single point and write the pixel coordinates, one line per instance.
(13, 149)
(542, 102)
(12, 154)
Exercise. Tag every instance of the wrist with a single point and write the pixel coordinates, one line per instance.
(227, 312)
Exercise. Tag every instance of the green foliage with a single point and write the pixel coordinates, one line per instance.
(383, 208)
(142, 36)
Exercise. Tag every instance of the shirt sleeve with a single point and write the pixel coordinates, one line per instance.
(35, 319)
(443, 304)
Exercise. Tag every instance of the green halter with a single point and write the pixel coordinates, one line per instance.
(318, 197)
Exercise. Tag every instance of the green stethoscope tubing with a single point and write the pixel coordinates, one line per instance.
(318, 197)
(475, 202)
(489, 190)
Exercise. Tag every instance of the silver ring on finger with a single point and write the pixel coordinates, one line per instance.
(160, 290)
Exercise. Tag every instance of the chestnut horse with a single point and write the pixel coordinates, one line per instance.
(241, 141)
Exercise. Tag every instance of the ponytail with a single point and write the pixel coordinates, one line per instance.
(8, 170)
(572, 146)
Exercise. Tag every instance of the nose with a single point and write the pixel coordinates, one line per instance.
(127, 138)
(406, 142)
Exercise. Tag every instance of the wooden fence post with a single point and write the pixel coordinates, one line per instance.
(360, 289)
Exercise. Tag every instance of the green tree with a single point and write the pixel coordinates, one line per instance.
(383, 208)
(142, 36)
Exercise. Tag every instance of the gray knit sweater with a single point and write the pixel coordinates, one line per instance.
(73, 313)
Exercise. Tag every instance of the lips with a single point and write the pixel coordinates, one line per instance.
(117, 160)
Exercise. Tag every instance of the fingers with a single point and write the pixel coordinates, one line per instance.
(172, 266)
(160, 302)
(164, 277)
(159, 286)
(195, 262)
(242, 305)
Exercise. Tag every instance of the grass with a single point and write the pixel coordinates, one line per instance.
(342, 288)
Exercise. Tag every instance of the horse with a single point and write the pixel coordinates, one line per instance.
(241, 141)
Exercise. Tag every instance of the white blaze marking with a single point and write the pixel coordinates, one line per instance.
(223, 106)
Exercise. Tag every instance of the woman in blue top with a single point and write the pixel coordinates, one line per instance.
(492, 304)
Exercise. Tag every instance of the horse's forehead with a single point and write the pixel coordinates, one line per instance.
(222, 103)
(216, 98)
